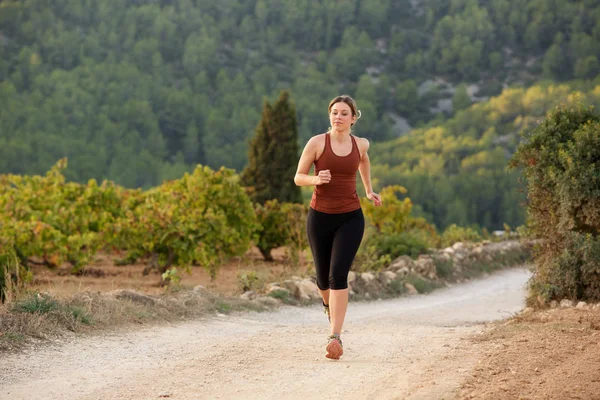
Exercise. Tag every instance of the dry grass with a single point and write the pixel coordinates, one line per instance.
(41, 317)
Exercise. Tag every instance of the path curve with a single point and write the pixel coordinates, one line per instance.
(411, 347)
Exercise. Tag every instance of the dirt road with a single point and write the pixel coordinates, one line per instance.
(411, 347)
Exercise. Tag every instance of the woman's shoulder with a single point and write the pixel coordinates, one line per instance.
(317, 139)
(363, 143)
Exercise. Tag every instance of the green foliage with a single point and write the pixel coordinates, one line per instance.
(273, 232)
(13, 275)
(392, 231)
(370, 258)
(422, 285)
(281, 224)
(37, 304)
(443, 268)
(282, 295)
(54, 220)
(295, 229)
(560, 162)
(199, 218)
(455, 170)
(398, 244)
(139, 92)
(455, 233)
(273, 153)
(249, 281)
(393, 216)
(461, 98)
(172, 276)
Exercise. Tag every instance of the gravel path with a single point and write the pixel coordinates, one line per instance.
(410, 347)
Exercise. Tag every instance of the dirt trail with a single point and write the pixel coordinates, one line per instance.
(411, 347)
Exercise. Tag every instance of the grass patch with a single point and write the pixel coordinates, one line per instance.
(421, 284)
(223, 308)
(43, 317)
(36, 304)
(443, 268)
(280, 294)
(397, 286)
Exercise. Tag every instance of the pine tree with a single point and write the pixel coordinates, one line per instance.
(273, 154)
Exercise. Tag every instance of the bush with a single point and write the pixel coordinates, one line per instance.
(378, 251)
(273, 231)
(393, 215)
(455, 233)
(560, 160)
(249, 281)
(296, 239)
(399, 244)
(54, 220)
(199, 218)
(282, 295)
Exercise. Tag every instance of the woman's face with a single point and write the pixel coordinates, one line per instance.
(341, 117)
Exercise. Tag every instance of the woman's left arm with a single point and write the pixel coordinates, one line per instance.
(365, 173)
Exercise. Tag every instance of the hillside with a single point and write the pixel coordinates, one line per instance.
(456, 171)
(141, 91)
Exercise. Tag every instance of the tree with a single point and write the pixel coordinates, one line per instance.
(560, 162)
(461, 98)
(273, 154)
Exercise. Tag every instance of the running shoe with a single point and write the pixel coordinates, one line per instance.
(334, 347)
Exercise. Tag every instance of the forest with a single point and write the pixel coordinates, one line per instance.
(139, 92)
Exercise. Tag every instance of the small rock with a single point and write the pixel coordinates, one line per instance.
(402, 262)
(133, 296)
(367, 277)
(308, 290)
(386, 277)
(278, 289)
(581, 305)
(458, 246)
(566, 303)
(411, 290)
(249, 295)
(268, 301)
(553, 304)
(351, 276)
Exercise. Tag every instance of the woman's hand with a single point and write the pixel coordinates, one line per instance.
(323, 177)
(375, 198)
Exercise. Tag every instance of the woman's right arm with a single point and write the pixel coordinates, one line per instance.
(309, 154)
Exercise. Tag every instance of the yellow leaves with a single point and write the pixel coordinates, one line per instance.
(38, 228)
(35, 59)
(393, 215)
(54, 259)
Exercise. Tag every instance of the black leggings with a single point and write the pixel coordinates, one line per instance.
(334, 240)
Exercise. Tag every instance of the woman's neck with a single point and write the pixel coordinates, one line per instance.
(339, 134)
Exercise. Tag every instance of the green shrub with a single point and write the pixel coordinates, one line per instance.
(421, 284)
(399, 244)
(37, 304)
(272, 232)
(455, 233)
(443, 268)
(282, 295)
(369, 258)
(249, 281)
(560, 160)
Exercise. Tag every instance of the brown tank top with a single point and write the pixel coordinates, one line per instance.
(339, 195)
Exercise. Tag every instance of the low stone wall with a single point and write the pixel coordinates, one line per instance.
(404, 275)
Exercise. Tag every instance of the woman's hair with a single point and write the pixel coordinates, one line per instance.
(351, 103)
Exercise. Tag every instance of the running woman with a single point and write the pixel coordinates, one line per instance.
(335, 222)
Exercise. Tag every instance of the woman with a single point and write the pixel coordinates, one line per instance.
(335, 223)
